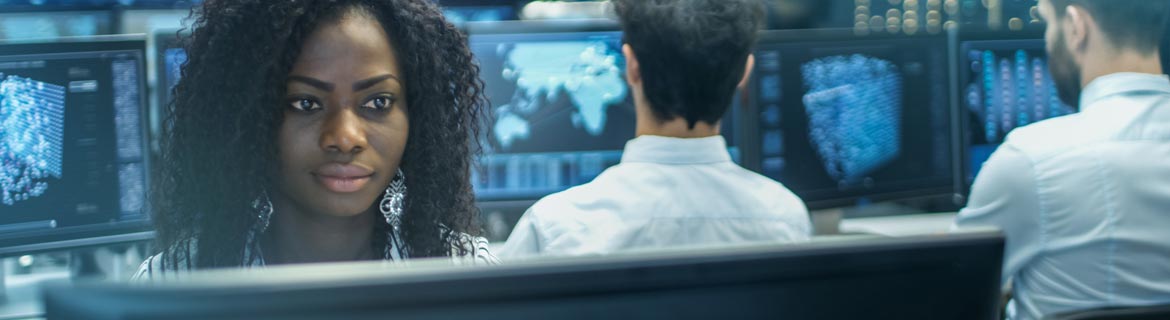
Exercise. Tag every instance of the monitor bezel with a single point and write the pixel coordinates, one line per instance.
(752, 140)
(20, 243)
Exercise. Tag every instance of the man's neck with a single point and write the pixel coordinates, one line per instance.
(676, 128)
(301, 237)
(1120, 62)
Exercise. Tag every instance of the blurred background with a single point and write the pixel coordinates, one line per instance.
(59, 18)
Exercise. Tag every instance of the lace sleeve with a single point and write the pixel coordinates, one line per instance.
(165, 265)
(473, 250)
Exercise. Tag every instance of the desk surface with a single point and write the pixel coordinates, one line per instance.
(899, 226)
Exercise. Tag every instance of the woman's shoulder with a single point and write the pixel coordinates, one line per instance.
(472, 249)
(171, 262)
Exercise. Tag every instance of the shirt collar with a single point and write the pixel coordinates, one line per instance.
(667, 150)
(1122, 83)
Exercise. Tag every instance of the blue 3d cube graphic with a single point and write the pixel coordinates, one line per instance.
(854, 106)
(32, 130)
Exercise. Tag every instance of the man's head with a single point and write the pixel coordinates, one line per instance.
(687, 57)
(1078, 29)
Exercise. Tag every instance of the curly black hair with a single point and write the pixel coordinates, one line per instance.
(219, 147)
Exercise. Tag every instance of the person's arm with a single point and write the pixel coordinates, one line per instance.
(1005, 196)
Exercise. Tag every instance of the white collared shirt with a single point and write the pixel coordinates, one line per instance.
(1085, 201)
(666, 192)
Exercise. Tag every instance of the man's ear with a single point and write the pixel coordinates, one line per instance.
(633, 69)
(747, 70)
(1077, 26)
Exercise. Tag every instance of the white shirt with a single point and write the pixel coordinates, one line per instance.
(666, 192)
(1085, 201)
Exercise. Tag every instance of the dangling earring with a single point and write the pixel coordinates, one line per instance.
(263, 208)
(394, 200)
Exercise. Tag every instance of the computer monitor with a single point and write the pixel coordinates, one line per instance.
(561, 109)
(461, 15)
(463, 11)
(934, 277)
(844, 119)
(1004, 84)
(169, 57)
(73, 161)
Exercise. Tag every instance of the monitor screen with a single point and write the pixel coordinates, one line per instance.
(845, 118)
(561, 111)
(169, 57)
(72, 141)
(1004, 85)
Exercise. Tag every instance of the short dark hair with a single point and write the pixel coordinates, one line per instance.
(1136, 24)
(692, 53)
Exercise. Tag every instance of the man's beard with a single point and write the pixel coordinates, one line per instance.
(1065, 73)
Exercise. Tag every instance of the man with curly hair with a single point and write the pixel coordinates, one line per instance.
(676, 184)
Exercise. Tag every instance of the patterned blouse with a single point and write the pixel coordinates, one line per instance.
(465, 249)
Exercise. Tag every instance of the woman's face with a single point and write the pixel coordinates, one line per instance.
(345, 121)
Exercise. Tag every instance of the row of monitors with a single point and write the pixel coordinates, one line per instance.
(840, 119)
(837, 118)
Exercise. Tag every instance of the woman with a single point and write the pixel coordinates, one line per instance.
(317, 131)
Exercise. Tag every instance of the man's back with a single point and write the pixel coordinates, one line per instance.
(667, 192)
(1085, 201)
